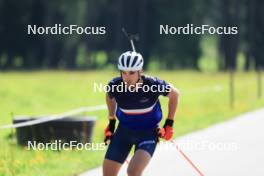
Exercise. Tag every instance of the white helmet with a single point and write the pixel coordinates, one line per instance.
(130, 61)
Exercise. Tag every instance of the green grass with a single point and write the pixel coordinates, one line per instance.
(204, 101)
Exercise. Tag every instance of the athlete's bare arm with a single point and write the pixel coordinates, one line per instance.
(173, 102)
(111, 105)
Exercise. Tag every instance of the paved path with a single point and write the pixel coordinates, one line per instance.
(232, 148)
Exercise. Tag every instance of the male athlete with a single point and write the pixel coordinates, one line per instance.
(138, 111)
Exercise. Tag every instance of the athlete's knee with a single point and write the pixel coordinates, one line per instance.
(110, 168)
(108, 171)
(132, 171)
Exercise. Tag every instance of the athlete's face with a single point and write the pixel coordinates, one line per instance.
(130, 77)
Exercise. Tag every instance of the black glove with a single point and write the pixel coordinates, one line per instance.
(109, 130)
(167, 131)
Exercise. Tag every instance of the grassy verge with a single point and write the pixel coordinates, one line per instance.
(204, 101)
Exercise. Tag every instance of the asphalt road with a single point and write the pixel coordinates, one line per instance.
(231, 148)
